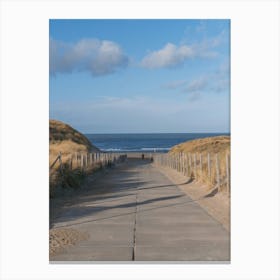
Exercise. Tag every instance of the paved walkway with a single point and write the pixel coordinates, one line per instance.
(135, 213)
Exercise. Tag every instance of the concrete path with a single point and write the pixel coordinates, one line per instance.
(135, 213)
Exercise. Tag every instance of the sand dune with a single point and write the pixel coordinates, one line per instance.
(217, 144)
(67, 140)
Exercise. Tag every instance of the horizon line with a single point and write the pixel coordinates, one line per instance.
(156, 132)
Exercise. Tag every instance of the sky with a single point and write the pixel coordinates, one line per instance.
(140, 76)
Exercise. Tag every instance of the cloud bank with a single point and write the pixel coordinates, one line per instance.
(89, 55)
(169, 56)
(172, 55)
(169, 115)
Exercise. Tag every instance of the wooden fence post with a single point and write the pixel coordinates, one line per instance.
(200, 163)
(90, 159)
(183, 163)
(190, 165)
(82, 161)
(228, 173)
(209, 166)
(218, 172)
(186, 163)
(194, 159)
(60, 163)
(178, 162)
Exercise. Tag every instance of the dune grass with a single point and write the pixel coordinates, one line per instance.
(219, 145)
(60, 131)
(67, 148)
(66, 140)
(212, 145)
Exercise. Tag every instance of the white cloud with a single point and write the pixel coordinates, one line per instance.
(172, 55)
(216, 82)
(197, 85)
(169, 56)
(92, 55)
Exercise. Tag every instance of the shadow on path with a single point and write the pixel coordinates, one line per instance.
(132, 212)
(83, 211)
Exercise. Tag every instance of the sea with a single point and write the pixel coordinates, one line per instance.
(146, 142)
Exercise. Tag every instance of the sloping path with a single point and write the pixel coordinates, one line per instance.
(135, 213)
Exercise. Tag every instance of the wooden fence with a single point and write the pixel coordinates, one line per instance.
(212, 169)
(86, 161)
(67, 170)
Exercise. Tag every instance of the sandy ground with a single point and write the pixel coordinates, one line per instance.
(216, 204)
(59, 239)
(62, 238)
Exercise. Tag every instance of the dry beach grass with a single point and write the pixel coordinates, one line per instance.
(67, 140)
(215, 144)
(219, 145)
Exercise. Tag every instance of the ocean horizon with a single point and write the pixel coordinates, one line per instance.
(143, 142)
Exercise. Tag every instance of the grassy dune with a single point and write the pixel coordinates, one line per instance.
(211, 145)
(216, 144)
(67, 140)
(60, 131)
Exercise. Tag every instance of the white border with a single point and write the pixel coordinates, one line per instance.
(254, 127)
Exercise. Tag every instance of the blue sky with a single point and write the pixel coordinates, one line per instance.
(137, 76)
